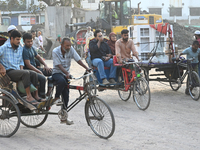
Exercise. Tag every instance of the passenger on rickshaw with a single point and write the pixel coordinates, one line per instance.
(11, 59)
(101, 56)
(192, 52)
(29, 56)
(111, 42)
(62, 56)
(123, 48)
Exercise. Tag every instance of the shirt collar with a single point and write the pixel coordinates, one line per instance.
(10, 46)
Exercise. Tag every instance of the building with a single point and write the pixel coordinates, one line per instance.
(90, 4)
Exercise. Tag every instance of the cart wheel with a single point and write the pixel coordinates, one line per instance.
(124, 95)
(146, 74)
(194, 86)
(141, 93)
(174, 83)
(89, 84)
(9, 117)
(100, 118)
(34, 119)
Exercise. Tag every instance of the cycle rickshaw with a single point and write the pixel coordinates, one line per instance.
(14, 109)
(129, 81)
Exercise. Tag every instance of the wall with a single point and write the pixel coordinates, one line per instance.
(55, 20)
(91, 6)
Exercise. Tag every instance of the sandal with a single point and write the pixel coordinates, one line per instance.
(40, 100)
(33, 102)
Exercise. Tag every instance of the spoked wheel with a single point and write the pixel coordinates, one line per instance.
(194, 86)
(141, 93)
(124, 95)
(100, 118)
(174, 84)
(33, 119)
(89, 84)
(9, 117)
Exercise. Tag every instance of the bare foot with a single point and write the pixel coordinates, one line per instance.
(40, 99)
(32, 100)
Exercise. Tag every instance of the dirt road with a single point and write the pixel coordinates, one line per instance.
(171, 122)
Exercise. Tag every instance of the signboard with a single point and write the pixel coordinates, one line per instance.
(25, 20)
(32, 20)
(140, 20)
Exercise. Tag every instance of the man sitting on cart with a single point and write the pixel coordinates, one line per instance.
(101, 56)
(12, 61)
(192, 52)
(62, 56)
(123, 48)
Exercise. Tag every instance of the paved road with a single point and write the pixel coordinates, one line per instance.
(171, 122)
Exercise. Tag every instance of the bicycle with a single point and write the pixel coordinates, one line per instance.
(193, 82)
(14, 109)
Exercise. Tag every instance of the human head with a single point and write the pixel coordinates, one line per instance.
(28, 40)
(124, 35)
(113, 37)
(197, 34)
(98, 34)
(88, 28)
(33, 34)
(15, 38)
(10, 29)
(195, 46)
(66, 45)
(39, 33)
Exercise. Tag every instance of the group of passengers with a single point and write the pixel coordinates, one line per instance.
(18, 62)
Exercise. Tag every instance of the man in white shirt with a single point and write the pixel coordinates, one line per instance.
(89, 33)
(36, 41)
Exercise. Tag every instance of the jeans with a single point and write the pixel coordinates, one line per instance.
(62, 87)
(99, 63)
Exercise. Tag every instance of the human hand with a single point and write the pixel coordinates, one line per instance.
(107, 58)
(47, 69)
(109, 55)
(68, 76)
(2, 70)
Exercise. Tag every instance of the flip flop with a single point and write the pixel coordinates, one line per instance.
(40, 100)
(33, 102)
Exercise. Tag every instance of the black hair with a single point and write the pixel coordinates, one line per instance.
(124, 31)
(15, 34)
(195, 43)
(96, 31)
(65, 39)
(11, 30)
(27, 36)
(32, 31)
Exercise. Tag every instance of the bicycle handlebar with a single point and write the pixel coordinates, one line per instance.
(85, 75)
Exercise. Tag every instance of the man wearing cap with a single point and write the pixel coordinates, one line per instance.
(10, 29)
(197, 36)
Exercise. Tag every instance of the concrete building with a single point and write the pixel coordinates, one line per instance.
(90, 4)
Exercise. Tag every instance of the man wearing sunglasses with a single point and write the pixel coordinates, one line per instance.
(101, 56)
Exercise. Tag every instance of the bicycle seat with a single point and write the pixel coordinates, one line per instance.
(51, 81)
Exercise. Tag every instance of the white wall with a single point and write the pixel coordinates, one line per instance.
(185, 4)
(91, 6)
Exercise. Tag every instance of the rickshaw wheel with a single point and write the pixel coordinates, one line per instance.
(174, 84)
(34, 119)
(124, 95)
(141, 93)
(9, 117)
(99, 117)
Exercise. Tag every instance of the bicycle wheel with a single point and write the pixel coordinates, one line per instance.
(194, 86)
(124, 95)
(33, 119)
(141, 93)
(100, 118)
(174, 84)
(9, 117)
(89, 84)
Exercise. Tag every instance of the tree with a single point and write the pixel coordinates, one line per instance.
(13, 5)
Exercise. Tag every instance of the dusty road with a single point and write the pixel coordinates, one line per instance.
(171, 122)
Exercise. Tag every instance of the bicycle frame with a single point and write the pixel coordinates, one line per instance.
(128, 83)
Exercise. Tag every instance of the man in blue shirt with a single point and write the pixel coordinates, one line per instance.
(29, 55)
(11, 59)
(192, 52)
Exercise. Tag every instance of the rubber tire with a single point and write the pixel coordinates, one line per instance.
(190, 92)
(127, 98)
(135, 90)
(24, 118)
(89, 105)
(171, 85)
(18, 116)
